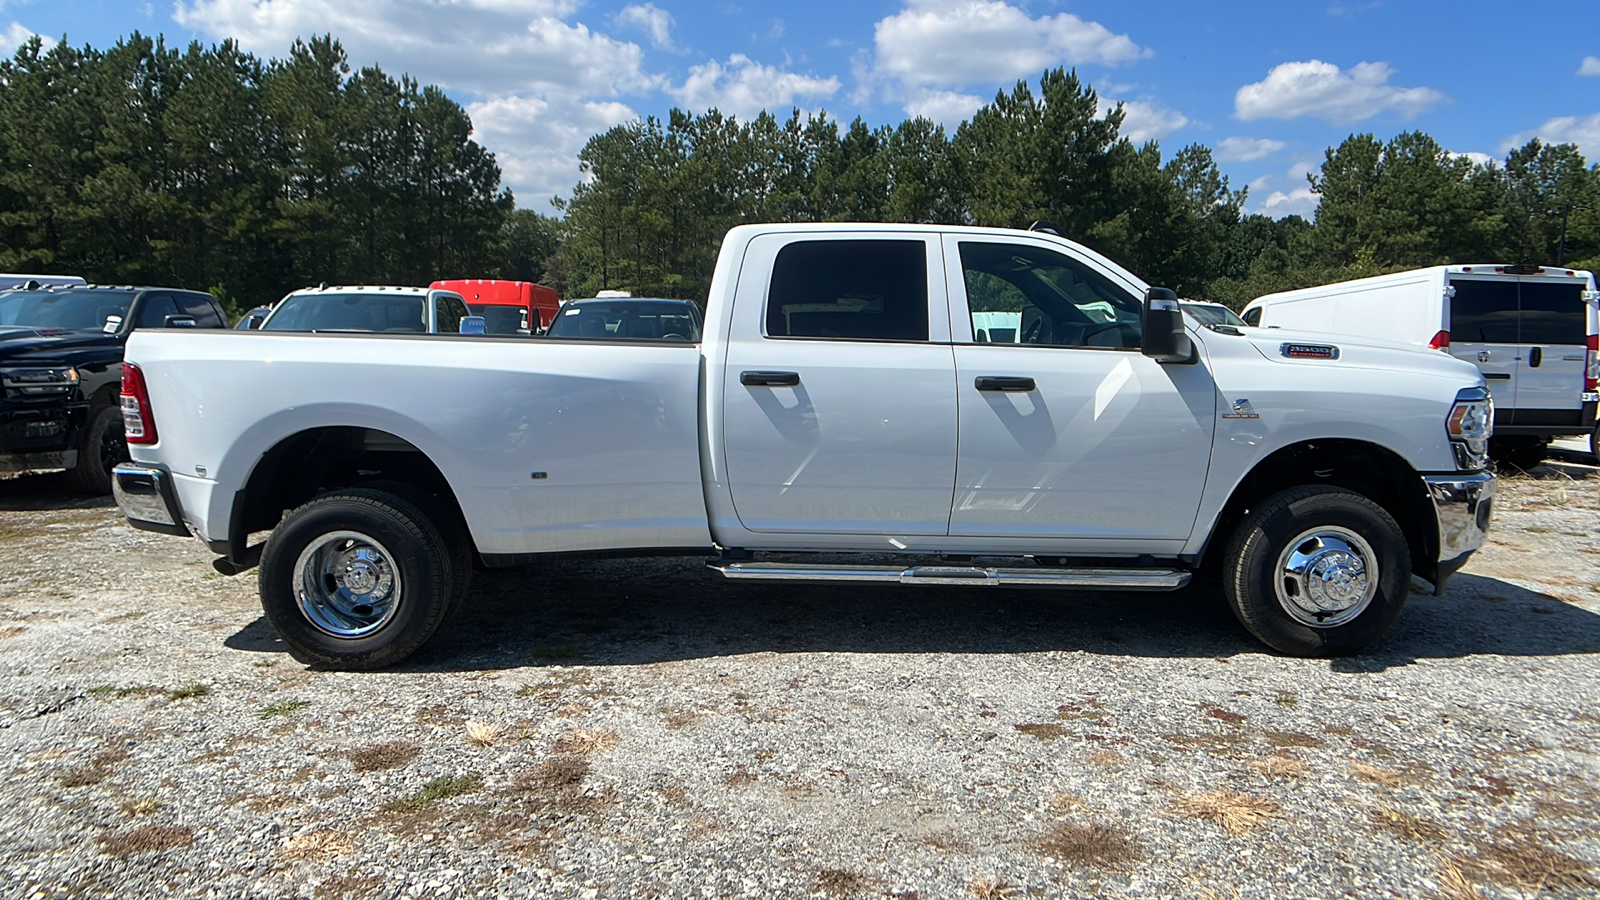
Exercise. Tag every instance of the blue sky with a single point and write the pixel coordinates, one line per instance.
(1268, 85)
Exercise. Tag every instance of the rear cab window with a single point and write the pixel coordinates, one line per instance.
(853, 290)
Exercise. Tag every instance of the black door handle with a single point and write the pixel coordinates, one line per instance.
(1003, 383)
(769, 379)
(1535, 357)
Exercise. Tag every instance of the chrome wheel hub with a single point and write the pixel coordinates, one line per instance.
(1326, 577)
(346, 584)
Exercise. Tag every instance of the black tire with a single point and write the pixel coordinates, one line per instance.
(1594, 442)
(327, 622)
(1518, 453)
(451, 527)
(1328, 525)
(100, 447)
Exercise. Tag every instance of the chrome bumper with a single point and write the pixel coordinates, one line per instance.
(1462, 506)
(146, 498)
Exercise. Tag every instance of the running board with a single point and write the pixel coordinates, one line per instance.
(1040, 576)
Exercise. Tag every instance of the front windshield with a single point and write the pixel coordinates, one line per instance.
(75, 310)
(661, 320)
(1212, 314)
(500, 318)
(349, 312)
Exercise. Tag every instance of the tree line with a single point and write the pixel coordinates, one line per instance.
(211, 168)
(658, 195)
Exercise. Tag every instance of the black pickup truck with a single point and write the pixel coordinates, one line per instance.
(61, 371)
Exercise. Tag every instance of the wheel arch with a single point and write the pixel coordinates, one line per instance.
(1366, 468)
(325, 458)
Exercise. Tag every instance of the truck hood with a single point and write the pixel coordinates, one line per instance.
(22, 344)
(1305, 348)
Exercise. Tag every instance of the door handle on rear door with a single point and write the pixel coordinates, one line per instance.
(1535, 357)
(1003, 383)
(769, 379)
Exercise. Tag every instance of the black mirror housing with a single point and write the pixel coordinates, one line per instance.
(1163, 336)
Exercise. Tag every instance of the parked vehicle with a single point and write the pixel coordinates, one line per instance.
(386, 309)
(629, 318)
(61, 365)
(1531, 330)
(1208, 313)
(837, 402)
(508, 307)
(253, 317)
(9, 281)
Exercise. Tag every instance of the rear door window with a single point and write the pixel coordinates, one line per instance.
(1552, 313)
(200, 306)
(850, 290)
(154, 309)
(1484, 312)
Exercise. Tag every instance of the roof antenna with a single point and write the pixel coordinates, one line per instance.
(30, 285)
(1046, 226)
(323, 286)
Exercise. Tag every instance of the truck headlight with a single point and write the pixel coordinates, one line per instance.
(39, 381)
(1470, 425)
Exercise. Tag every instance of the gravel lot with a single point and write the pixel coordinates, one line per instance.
(647, 729)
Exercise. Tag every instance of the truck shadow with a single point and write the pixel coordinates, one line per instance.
(638, 612)
(40, 491)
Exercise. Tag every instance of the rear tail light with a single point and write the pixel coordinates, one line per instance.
(138, 422)
(1591, 373)
(1441, 341)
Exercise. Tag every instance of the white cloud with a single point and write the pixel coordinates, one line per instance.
(1243, 149)
(1590, 66)
(1143, 120)
(1583, 131)
(651, 19)
(1316, 88)
(744, 88)
(483, 46)
(954, 43)
(1478, 159)
(1298, 202)
(947, 108)
(539, 140)
(16, 35)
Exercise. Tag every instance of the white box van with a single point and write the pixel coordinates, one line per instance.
(1530, 330)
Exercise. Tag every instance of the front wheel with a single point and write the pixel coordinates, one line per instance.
(1317, 571)
(356, 580)
(100, 447)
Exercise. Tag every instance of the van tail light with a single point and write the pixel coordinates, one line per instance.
(1591, 374)
(1441, 341)
(138, 422)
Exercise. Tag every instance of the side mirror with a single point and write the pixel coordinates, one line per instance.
(254, 322)
(179, 321)
(473, 325)
(1164, 338)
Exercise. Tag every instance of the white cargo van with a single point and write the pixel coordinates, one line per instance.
(1529, 329)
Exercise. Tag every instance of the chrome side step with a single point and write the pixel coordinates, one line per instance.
(1042, 576)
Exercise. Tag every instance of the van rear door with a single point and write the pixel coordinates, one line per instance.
(1552, 352)
(1483, 331)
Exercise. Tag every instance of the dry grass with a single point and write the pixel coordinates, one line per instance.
(11, 631)
(142, 806)
(1284, 739)
(1208, 893)
(1235, 812)
(946, 840)
(1528, 861)
(557, 773)
(391, 755)
(990, 887)
(1041, 731)
(1063, 801)
(1106, 759)
(1454, 883)
(145, 839)
(483, 734)
(584, 743)
(1278, 767)
(1384, 778)
(99, 769)
(189, 691)
(1094, 846)
(842, 882)
(1407, 825)
(325, 843)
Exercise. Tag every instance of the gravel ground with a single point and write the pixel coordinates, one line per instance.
(643, 728)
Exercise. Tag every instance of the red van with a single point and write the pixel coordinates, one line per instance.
(508, 307)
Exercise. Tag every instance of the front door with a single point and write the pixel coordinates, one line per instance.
(839, 394)
(1069, 431)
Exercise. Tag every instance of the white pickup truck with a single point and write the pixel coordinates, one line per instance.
(838, 403)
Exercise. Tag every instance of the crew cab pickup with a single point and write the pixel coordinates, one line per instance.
(837, 403)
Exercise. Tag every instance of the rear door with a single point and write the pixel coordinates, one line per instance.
(839, 399)
(1483, 331)
(1552, 351)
